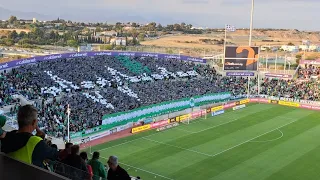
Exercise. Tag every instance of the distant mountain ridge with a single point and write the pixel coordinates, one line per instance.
(6, 13)
(112, 16)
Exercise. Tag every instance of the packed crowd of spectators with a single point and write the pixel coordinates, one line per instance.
(308, 71)
(97, 86)
(299, 90)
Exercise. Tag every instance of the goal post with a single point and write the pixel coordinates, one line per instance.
(194, 116)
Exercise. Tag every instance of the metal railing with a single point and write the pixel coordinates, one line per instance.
(70, 171)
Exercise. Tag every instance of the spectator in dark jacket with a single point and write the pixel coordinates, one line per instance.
(64, 153)
(115, 171)
(76, 166)
(75, 160)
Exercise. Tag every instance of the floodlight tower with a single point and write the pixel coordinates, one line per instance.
(251, 22)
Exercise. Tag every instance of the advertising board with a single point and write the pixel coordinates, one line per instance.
(184, 117)
(284, 76)
(291, 104)
(100, 135)
(239, 73)
(19, 62)
(216, 113)
(246, 101)
(159, 124)
(229, 105)
(241, 58)
(169, 126)
(311, 107)
(140, 128)
(239, 107)
(213, 109)
(198, 114)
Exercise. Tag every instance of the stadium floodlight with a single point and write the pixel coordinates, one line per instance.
(68, 119)
(251, 22)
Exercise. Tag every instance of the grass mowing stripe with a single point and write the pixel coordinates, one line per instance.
(158, 142)
(159, 152)
(244, 134)
(210, 134)
(152, 133)
(254, 138)
(274, 159)
(305, 167)
(181, 164)
(234, 157)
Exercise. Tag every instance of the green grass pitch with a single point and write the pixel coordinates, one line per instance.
(259, 142)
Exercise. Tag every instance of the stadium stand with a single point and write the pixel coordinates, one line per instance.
(294, 89)
(104, 85)
(97, 86)
(308, 72)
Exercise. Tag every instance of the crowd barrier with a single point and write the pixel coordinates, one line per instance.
(69, 171)
(19, 62)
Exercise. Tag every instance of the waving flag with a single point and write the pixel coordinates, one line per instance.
(230, 28)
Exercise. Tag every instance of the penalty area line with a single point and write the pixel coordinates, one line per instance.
(253, 138)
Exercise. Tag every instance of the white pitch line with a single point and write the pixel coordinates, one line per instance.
(212, 127)
(252, 139)
(270, 139)
(142, 170)
(178, 147)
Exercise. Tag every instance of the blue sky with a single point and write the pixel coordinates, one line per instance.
(299, 14)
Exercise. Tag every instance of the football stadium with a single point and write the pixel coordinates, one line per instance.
(163, 116)
(115, 113)
(260, 141)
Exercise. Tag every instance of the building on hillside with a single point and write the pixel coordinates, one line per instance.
(309, 48)
(25, 21)
(34, 20)
(290, 48)
(107, 33)
(119, 41)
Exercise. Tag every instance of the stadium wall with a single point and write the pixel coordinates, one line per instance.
(120, 121)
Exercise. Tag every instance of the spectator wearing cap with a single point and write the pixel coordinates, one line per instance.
(116, 172)
(97, 167)
(22, 145)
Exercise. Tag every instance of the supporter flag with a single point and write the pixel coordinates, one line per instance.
(230, 28)
(68, 109)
